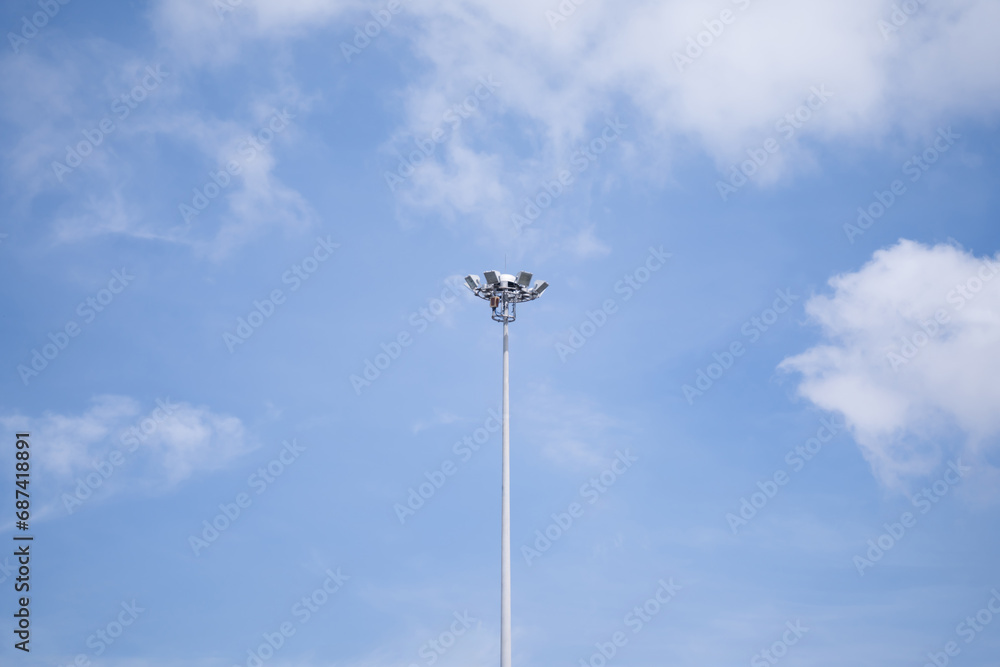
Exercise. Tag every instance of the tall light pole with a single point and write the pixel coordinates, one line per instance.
(504, 292)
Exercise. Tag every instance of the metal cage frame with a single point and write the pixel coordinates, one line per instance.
(507, 293)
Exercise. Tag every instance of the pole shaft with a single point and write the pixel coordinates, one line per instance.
(505, 517)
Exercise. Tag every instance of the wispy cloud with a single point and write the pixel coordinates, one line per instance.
(572, 432)
(159, 447)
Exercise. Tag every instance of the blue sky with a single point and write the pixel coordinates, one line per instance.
(753, 418)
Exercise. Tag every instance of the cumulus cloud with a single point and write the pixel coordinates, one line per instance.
(160, 446)
(910, 357)
(685, 81)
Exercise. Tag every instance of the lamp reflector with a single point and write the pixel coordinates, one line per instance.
(523, 278)
(472, 281)
(492, 277)
(540, 287)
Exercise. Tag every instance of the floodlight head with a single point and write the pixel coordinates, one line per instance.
(505, 291)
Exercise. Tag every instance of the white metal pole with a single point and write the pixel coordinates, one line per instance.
(505, 519)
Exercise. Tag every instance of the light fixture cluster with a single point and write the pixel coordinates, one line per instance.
(505, 291)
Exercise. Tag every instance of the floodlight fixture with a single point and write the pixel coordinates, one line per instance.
(504, 292)
(472, 281)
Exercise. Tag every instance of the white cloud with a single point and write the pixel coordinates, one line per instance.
(219, 32)
(160, 448)
(560, 83)
(440, 417)
(586, 244)
(51, 98)
(557, 86)
(911, 357)
(110, 212)
(59, 107)
(573, 432)
(258, 201)
(195, 440)
(69, 441)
